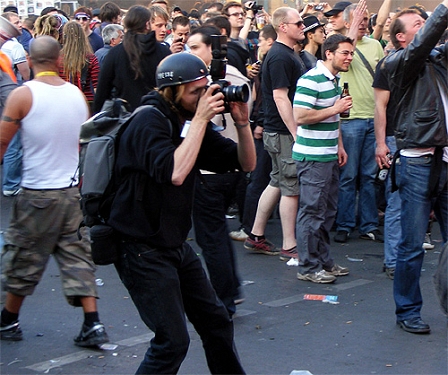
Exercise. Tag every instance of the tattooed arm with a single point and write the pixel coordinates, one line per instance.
(16, 108)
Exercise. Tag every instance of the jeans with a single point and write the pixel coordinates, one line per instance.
(392, 224)
(259, 179)
(165, 284)
(213, 194)
(12, 164)
(317, 209)
(359, 143)
(412, 177)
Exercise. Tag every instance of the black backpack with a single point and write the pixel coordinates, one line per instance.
(99, 139)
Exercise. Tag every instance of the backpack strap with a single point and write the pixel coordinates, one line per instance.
(365, 62)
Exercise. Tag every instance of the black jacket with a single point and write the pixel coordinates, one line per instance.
(238, 56)
(116, 72)
(147, 206)
(416, 76)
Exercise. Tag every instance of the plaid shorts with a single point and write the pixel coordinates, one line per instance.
(44, 223)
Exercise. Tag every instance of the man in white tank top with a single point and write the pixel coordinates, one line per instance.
(46, 213)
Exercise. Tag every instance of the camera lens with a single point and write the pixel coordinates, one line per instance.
(236, 93)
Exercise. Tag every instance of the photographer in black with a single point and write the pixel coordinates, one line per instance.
(216, 191)
(158, 157)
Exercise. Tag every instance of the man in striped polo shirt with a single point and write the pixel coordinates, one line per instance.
(318, 153)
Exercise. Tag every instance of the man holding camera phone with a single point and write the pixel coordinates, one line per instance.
(157, 162)
(180, 34)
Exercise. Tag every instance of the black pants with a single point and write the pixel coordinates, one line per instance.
(213, 194)
(166, 284)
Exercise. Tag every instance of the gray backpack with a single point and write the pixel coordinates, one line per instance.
(6, 86)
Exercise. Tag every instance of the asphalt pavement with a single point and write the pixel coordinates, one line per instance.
(277, 331)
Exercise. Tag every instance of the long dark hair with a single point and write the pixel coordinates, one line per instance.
(135, 23)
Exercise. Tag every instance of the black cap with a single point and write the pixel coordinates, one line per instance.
(311, 23)
(96, 12)
(11, 8)
(420, 10)
(338, 8)
(177, 9)
(48, 10)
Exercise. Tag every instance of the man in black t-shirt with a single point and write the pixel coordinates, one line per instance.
(281, 70)
(386, 144)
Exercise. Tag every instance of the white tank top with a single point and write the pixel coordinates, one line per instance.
(50, 135)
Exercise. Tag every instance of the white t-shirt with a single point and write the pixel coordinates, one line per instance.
(50, 135)
(16, 53)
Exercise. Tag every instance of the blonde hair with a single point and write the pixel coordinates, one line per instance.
(75, 48)
(158, 11)
(46, 25)
(281, 15)
(172, 95)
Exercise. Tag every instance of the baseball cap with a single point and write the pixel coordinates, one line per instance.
(311, 23)
(338, 8)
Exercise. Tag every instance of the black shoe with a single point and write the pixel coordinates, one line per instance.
(374, 235)
(92, 336)
(11, 332)
(341, 236)
(414, 325)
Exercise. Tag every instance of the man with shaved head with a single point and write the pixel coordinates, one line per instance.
(46, 213)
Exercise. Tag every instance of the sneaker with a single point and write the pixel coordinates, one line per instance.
(338, 270)
(390, 272)
(11, 332)
(321, 277)
(374, 235)
(262, 246)
(92, 336)
(239, 300)
(428, 245)
(11, 193)
(288, 254)
(341, 236)
(238, 235)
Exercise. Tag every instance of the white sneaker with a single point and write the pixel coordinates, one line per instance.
(11, 193)
(238, 235)
(427, 245)
(321, 277)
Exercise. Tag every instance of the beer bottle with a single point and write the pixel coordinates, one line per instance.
(383, 172)
(345, 93)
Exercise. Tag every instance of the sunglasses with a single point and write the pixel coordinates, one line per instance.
(298, 23)
(80, 18)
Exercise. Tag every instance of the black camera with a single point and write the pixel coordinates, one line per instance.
(218, 73)
(252, 5)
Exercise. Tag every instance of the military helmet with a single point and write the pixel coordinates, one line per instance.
(180, 68)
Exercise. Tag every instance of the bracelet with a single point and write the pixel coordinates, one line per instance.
(250, 18)
(240, 126)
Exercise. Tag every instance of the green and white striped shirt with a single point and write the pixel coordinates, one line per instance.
(317, 89)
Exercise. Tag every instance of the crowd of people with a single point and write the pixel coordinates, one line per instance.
(280, 136)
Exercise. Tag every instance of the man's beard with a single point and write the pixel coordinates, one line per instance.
(184, 113)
